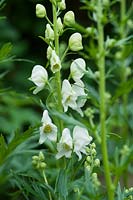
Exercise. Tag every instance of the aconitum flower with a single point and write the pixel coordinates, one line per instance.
(75, 42)
(40, 11)
(39, 77)
(55, 62)
(49, 33)
(48, 130)
(81, 139)
(69, 96)
(69, 18)
(64, 147)
(77, 69)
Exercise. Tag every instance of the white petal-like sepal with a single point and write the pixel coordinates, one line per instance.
(77, 68)
(81, 139)
(39, 77)
(64, 147)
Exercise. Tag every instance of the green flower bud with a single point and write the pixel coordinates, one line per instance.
(40, 11)
(49, 33)
(75, 42)
(97, 162)
(62, 5)
(43, 165)
(88, 159)
(93, 145)
(69, 18)
(97, 75)
(49, 52)
(59, 26)
(41, 156)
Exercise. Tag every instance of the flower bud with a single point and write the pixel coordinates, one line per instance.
(97, 162)
(69, 18)
(55, 62)
(62, 5)
(41, 156)
(59, 26)
(75, 42)
(49, 52)
(40, 11)
(49, 33)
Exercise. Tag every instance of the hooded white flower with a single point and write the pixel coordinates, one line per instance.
(75, 42)
(49, 33)
(77, 69)
(39, 77)
(69, 96)
(78, 88)
(48, 130)
(55, 62)
(81, 139)
(65, 145)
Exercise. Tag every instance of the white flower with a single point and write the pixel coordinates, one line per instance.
(69, 96)
(49, 33)
(81, 139)
(75, 42)
(77, 68)
(40, 11)
(78, 88)
(65, 145)
(55, 62)
(39, 77)
(48, 130)
(69, 18)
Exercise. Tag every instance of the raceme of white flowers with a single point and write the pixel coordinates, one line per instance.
(77, 144)
(39, 77)
(48, 130)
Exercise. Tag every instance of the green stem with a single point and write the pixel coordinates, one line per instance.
(57, 74)
(102, 85)
(45, 179)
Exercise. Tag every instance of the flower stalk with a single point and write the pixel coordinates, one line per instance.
(102, 90)
(57, 74)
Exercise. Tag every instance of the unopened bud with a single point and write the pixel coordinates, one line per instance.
(62, 5)
(69, 18)
(75, 42)
(40, 11)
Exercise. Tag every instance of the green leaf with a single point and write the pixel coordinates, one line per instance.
(5, 50)
(61, 184)
(124, 88)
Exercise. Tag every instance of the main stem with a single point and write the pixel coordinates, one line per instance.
(101, 65)
(57, 75)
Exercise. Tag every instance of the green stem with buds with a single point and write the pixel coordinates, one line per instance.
(57, 75)
(102, 90)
